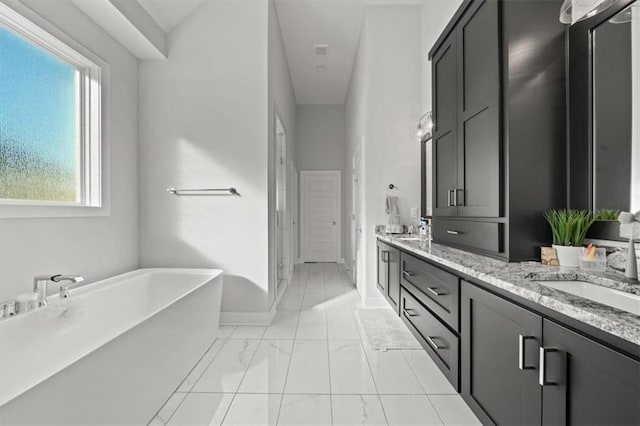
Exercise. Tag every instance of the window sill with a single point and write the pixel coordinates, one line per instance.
(31, 211)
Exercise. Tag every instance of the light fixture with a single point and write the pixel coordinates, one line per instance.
(425, 127)
(623, 17)
(565, 12)
(574, 11)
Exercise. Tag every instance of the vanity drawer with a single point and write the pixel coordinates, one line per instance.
(440, 343)
(486, 236)
(435, 288)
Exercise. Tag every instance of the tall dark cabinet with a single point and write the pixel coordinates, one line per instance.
(499, 144)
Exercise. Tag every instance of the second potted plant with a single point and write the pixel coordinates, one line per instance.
(569, 228)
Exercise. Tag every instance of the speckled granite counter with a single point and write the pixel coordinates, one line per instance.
(518, 279)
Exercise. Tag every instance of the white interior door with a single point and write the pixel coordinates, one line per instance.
(321, 213)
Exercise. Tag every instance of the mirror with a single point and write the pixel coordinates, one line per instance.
(604, 110)
(616, 111)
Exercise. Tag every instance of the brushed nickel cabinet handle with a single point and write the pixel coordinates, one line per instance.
(434, 291)
(449, 202)
(385, 256)
(522, 365)
(410, 312)
(433, 343)
(455, 197)
(407, 274)
(454, 232)
(543, 366)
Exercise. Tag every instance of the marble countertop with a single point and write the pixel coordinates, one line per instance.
(519, 279)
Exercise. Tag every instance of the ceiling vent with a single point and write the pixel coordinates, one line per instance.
(321, 49)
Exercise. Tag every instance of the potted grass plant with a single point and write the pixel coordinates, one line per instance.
(569, 229)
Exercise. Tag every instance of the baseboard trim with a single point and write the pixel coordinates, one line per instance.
(248, 318)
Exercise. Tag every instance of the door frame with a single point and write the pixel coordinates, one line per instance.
(295, 221)
(357, 217)
(304, 174)
(281, 277)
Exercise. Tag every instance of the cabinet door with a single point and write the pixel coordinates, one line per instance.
(500, 343)
(478, 133)
(587, 383)
(383, 268)
(393, 278)
(445, 149)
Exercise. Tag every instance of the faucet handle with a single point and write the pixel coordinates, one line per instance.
(65, 291)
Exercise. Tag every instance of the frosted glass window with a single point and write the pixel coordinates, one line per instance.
(39, 123)
(50, 118)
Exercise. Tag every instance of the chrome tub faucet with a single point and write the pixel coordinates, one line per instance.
(41, 281)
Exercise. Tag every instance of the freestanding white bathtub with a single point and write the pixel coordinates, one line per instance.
(112, 352)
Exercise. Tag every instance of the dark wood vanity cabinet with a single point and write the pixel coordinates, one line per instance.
(389, 273)
(499, 140)
(588, 383)
(519, 368)
(500, 343)
(442, 344)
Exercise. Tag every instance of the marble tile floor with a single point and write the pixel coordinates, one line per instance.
(311, 367)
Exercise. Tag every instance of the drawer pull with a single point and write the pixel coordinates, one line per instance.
(408, 274)
(453, 232)
(449, 202)
(433, 343)
(434, 291)
(410, 312)
(385, 256)
(521, 349)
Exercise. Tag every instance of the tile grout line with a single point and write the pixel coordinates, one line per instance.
(375, 384)
(326, 324)
(226, 413)
(286, 379)
(186, 377)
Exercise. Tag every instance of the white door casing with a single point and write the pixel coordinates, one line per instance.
(295, 252)
(321, 227)
(357, 219)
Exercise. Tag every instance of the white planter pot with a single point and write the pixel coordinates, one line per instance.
(568, 256)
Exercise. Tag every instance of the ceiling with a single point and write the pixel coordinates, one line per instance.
(305, 23)
(169, 13)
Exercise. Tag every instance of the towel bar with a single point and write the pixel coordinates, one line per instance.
(203, 191)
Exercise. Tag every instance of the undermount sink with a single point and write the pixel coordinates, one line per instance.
(607, 296)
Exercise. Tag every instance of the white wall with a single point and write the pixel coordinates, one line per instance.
(95, 247)
(321, 137)
(283, 103)
(390, 100)
(355, 128)
(204, 123)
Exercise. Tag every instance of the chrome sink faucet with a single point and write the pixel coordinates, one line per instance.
(41, 281)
